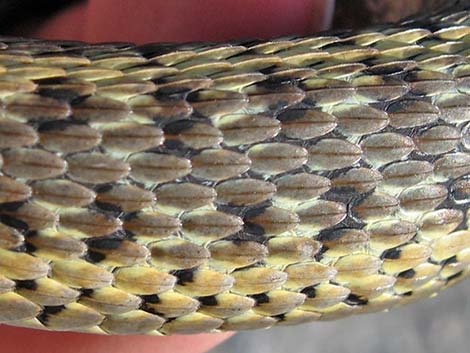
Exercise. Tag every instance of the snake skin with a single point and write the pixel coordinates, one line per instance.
(165, 189)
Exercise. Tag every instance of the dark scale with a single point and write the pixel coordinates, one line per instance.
(104, 243)
(28, 284)
(49, 311)
(391, 254)
(280, 317)
(354, 299)
(455, 276)
(310, 292)
(63, 95)
(24, 248)
(261, 298)
(407, 274)
(94, 256)
(153, 298)
(108, 207)
(86, 292)
(13, 222)
(208, 301)
(184, 276)
(450, 260)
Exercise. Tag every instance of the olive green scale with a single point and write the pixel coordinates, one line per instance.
(166, 189)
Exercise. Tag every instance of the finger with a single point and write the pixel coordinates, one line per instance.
(19, 340)
(181, 21)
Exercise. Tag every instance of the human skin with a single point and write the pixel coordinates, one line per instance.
(163, 21)
(145, 21)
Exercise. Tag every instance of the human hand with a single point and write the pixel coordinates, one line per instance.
(19, 340)
(185, 21)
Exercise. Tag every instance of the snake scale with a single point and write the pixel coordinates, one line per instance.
(166, 189)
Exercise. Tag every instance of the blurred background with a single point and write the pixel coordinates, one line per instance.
(436, 325)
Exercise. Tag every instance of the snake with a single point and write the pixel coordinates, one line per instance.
(183, 188)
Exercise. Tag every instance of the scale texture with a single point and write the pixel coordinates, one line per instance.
(165, 189)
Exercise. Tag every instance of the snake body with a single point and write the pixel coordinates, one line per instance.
(164, 189)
